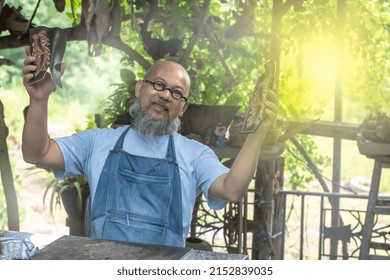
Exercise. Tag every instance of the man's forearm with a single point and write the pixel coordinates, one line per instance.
(234, 185)
(35, 140)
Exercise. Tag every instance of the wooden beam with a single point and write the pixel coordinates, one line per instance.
(328, 129)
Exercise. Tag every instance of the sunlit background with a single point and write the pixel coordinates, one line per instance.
(308, 77)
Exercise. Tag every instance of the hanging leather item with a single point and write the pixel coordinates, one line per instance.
(98, 21)
(48, 46)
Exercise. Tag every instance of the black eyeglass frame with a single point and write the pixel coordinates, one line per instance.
(164, 87)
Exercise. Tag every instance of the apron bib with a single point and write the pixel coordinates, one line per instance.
(138, 199)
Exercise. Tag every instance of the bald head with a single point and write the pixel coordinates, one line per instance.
(173, 70)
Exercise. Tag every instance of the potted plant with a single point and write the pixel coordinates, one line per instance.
(374, 135)
(72, 193)
(376, 127)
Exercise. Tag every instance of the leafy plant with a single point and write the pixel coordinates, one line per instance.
(118, 103)
(376, 127)
(54, 190)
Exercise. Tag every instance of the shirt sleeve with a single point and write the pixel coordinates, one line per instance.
(207, 169)
(76, 151)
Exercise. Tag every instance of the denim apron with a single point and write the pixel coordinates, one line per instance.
(138, 199)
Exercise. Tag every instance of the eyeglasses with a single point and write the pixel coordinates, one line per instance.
(160, 86)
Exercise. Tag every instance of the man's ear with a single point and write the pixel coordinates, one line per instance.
(185, 106)
(137, 89)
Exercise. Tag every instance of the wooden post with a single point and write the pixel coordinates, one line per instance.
(6, 176)
(278, 218)
(262, 247)
(336, 178)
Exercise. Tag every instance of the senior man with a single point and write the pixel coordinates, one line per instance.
(144, 178)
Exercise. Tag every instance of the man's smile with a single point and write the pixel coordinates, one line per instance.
(160, 106)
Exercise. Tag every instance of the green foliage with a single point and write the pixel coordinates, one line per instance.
(211, 83)
(299, 173)
(119, 102)
(54, 189)
(216, 59)
(74, 15)
(368, 42)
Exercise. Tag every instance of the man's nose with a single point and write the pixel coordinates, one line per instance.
(165, 94)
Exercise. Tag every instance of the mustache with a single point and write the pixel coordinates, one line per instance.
(159, 102)
(144, 124)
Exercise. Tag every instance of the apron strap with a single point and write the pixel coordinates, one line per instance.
(119, 143)
(171, 153)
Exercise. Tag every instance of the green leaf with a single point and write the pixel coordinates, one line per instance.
(127, 76)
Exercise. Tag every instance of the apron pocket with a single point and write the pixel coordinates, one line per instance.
(139, 195)
(118, 227)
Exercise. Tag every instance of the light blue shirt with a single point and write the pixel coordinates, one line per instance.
(86, 153)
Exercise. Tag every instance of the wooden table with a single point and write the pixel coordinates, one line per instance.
(82, 248)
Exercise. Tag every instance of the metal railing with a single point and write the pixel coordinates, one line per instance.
(349, 232)
(335, 223)
(306, 231)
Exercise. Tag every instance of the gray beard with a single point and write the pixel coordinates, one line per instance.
(147, 126)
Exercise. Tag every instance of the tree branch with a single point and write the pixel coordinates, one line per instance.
(116, 18)
(311, 164)
(11, 42)
(228, 71)
(196, 34)
(1, 5)
(35, 11)
(79, 33)
(117, 43)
